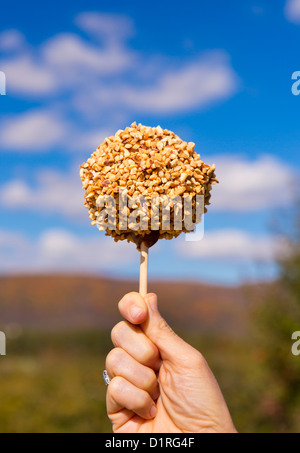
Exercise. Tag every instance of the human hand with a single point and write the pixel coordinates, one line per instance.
(159, 383)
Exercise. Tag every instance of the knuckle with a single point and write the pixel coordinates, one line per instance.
(162, 329)
(126, 299)
(116, 331)
(162, 325)
(116, 385)
(114, 357)
(150, 380)
(148, 353)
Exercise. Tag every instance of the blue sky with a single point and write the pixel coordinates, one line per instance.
(216, 73)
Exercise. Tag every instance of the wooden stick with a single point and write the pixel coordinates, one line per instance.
(144, 270)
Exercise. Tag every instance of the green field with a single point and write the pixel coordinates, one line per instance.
(51, 382)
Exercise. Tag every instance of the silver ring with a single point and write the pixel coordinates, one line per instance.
(106, 377)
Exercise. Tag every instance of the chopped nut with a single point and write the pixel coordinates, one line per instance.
(183, 177)
(148, 161)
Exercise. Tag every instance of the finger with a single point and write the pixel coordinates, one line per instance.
(170, 345)
(120, 363)
(133, 340)
(133, 308)
(121, 395)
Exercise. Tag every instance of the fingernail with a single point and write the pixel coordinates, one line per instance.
(153, 411)
(135, 312)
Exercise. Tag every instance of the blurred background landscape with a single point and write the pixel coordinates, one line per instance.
(216, 73)
(58, 334)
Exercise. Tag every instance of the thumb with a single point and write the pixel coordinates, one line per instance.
(170, 345)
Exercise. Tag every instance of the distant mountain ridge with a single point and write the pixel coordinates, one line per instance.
(63, 302)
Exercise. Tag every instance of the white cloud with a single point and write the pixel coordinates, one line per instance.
(209, 79)
(27, 76)
(73, 59)
(91, 81)
(245, 186)
(40, 130)
(195, 85)
(60, 248)
(232, 244)
(251, 185)
(51, 192)
(87, 141)
(35, 130)
(66, 61)
(61, 251)
(292, 11)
